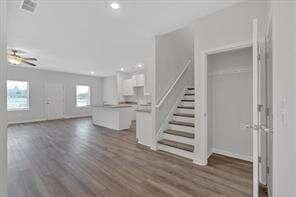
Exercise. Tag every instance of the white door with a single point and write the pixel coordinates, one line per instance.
(255, 111)
(269, 106)
(262, 110)
(54, 101)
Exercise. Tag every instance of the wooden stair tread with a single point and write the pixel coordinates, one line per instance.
(187, 100)
(186, 124)
(189, 94)
(184, 115)
(186, 107)
(179, 145)
(190, 88)
(180, 133)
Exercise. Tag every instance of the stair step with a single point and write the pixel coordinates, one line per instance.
(180, 133)
(190, 88)
(189, 94)
(186, 124)
(187, 100)
(184, 115)
(185, 107)
(178, 145)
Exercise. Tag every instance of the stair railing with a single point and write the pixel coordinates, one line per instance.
(168, 102)
(174, 84)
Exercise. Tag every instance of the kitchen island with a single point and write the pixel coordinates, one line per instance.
(116, 117)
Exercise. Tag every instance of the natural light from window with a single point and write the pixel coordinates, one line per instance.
(17, 95)
(82, 96)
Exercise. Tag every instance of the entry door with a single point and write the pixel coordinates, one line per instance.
(54, 101)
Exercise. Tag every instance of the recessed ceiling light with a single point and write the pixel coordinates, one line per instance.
(122, 69)
(140, 65)
(92, 72)
(115, 5)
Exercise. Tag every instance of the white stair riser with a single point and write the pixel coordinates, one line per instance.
(175, 151)
(187, 104)
(183, 119)
(184, 111)
(177, 138)
(189, 97)
(181, 128)
(190, 91)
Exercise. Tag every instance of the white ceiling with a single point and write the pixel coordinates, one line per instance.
(81, 36)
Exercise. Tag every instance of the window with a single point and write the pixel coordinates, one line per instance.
(82, 96)
(17, 95)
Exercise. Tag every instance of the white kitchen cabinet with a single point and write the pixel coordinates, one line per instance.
(128, 85)
(139, 80)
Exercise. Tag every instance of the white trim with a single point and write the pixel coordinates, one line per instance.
(210, 153)
(77, 116)
(44, 119)
(173, 85)
(27, 121)
(201, 111)
(230, 47)
(234, 155)
(255, 117)
(203, 92)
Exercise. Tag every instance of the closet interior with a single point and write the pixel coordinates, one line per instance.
(229, 103)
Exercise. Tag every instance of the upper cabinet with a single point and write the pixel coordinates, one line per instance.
(128, 87)
(137, 80)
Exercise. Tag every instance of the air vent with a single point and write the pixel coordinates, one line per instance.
(29, 5)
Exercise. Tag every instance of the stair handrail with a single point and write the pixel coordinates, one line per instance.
(174, 84)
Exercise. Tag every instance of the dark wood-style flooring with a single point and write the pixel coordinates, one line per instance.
(75, 158)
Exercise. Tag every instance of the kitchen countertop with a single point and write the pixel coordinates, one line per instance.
(112, 106)
(143, 110)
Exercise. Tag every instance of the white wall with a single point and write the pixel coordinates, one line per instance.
(171, 54)
(225, 27)
(284, 52)
(230, 103)
(38, 78)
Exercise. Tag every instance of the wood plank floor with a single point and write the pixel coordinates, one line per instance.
(75, 158)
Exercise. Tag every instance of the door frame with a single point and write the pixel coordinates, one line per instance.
(203, 93)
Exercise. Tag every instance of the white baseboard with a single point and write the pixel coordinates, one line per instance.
(210, 153)
(44, 119)
(27, 121)
(78, 116)
(230, 154)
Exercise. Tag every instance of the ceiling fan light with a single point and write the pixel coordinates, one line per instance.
(14, 61)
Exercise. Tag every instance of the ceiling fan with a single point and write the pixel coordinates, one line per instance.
(15, 59)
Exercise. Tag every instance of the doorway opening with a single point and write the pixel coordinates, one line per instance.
(229, 103)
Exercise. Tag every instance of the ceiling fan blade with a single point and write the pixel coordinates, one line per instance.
(29, 58)
(26, 62)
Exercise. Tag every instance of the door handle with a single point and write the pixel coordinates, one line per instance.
(266, 130)
(251, 126)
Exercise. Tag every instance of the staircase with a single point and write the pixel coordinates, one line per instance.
(179, 136)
